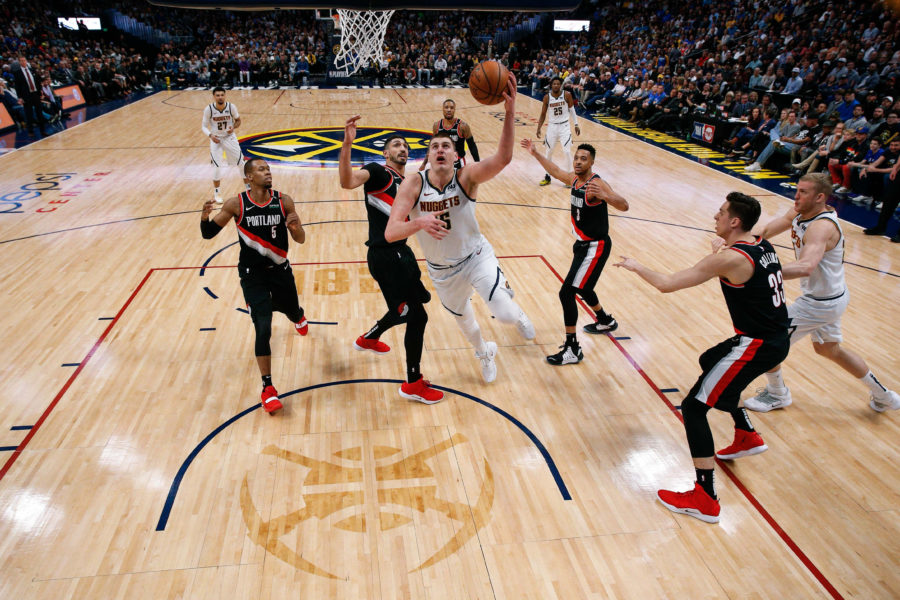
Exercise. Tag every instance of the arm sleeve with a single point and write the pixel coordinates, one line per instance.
(209, 229)
(204, 124)
(470, 142)
(573, 115)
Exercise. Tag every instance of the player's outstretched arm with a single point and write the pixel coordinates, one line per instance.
(493, 164)
(466, 132)
(209, 228)
(730, 265)
(292, 219)
(350, 179)
(399, 227)
(599, 191)
(815, 243)
(555, 171)
(777, 225)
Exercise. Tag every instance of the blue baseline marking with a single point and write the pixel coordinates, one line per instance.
(243, 310)
(669, 390)
(7, 448)
(624, 337)
(176, 483)
(209, 260)
(210, 292)
(70, 364)
(207, 329)
(20, 427)
(106, 318)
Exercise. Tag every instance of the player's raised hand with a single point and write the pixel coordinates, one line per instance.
(208, 207)
(350, 128)
(529, 146)
(292, 221)
(509, 96)
(595, 190)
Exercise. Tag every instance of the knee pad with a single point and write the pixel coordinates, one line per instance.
(263, 326)
(696, 427)
(570, 308)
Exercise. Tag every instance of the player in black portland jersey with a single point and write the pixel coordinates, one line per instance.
(264, 218)
(392, 264)
(458, 130)
(751, 279)
(589, 200)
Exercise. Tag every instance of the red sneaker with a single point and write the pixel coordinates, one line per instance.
(696, 503)
(376, 346)
(746, 443)
(302, 327)
(270, 401)
(421, 391)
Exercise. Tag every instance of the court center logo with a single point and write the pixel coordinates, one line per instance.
(319, 148)
(367, 491)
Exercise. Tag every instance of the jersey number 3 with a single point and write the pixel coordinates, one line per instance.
(777, 284)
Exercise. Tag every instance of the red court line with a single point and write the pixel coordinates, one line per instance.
(279, 97)
(785, 537)
(65, 387)
(401, 97)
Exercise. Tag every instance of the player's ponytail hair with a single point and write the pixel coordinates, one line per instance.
(744, 207)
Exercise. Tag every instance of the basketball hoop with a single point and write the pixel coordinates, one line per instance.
(362, 38)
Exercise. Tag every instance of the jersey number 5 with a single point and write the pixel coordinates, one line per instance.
(445, 217)
(274, 233)
(776, 283)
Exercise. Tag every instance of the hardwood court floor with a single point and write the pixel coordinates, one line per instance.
(147, 472)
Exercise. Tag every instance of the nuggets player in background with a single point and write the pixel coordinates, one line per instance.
(440, 204)
(392, 264)
(589, 198)
(750, 276)
(458, 130)
(220, 119)
(264, 217)
(818, 243)
(561, 107)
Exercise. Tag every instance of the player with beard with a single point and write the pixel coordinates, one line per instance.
(458, 130)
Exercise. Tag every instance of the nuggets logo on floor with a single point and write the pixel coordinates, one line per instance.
(369, 490)
(320, 147)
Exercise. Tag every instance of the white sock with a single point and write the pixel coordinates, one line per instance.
(469, 327)
(776, 381)
(874, 385)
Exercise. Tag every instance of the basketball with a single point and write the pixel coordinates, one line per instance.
(488, 82)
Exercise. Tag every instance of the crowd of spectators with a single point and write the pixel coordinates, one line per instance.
(801, 85)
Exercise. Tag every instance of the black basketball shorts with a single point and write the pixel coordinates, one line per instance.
(398, 275)
(589, 258)
(270, 288)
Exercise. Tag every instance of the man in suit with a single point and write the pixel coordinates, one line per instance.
(13, 105)
(49, 102)
(29, 91)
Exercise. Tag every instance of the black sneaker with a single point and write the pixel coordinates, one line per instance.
(545, 180)
(873, 231)
(567, 355)
(896, 239)
(599, 327)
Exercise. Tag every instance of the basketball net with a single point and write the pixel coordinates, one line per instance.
(362, 38)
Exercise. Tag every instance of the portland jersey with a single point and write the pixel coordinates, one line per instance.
(757, 306)
(380, 190)
(588, 222)
(453, 206)
(220, 121)
(827, 281)
(262, 231)
(557, 109)
(455, 135)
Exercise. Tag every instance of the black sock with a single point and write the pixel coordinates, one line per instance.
(705, 479)
(413, 374)
(603, 317)
(267, 381)
(741, 419)
(571, 340)
(390, 319)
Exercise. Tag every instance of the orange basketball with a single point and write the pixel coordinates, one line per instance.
(488, 82)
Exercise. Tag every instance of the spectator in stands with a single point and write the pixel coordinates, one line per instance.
(852, 151)
(440, 70)
(50, 104)
(243, 70)
(889, 130)
(669, 113)
(301, 74)
(14, 106)
(888, 192)
(794, 83)
(763, 135)
(816, 151)
(861, 188)
(791, 136)
(846, 108)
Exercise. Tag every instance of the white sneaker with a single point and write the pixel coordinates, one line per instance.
(890, 401)
(764, 400)
(841, 190)
(488, 364)
(217, 199)
(752, 167)
(525, 327)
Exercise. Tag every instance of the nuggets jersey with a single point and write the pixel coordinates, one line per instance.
(262, 232)
(757, 306)
(588, 222)
(380, 189)
(453, 206)
(827, 281)
(456, 136)
(557, 109)
(220, 121)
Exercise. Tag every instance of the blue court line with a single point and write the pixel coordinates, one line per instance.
(28, 237)
(70, 364)
(210, 292)
(176, 483)
(20, 427)
(243, 310)
(209, 260)
(624, 337)
(207, 329)
(7, 448)
(669, 390)
(106, 318)
(325, 323)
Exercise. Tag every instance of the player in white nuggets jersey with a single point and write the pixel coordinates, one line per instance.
(819, 248)
(561, 108)
(440, 205)
(220, 119)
